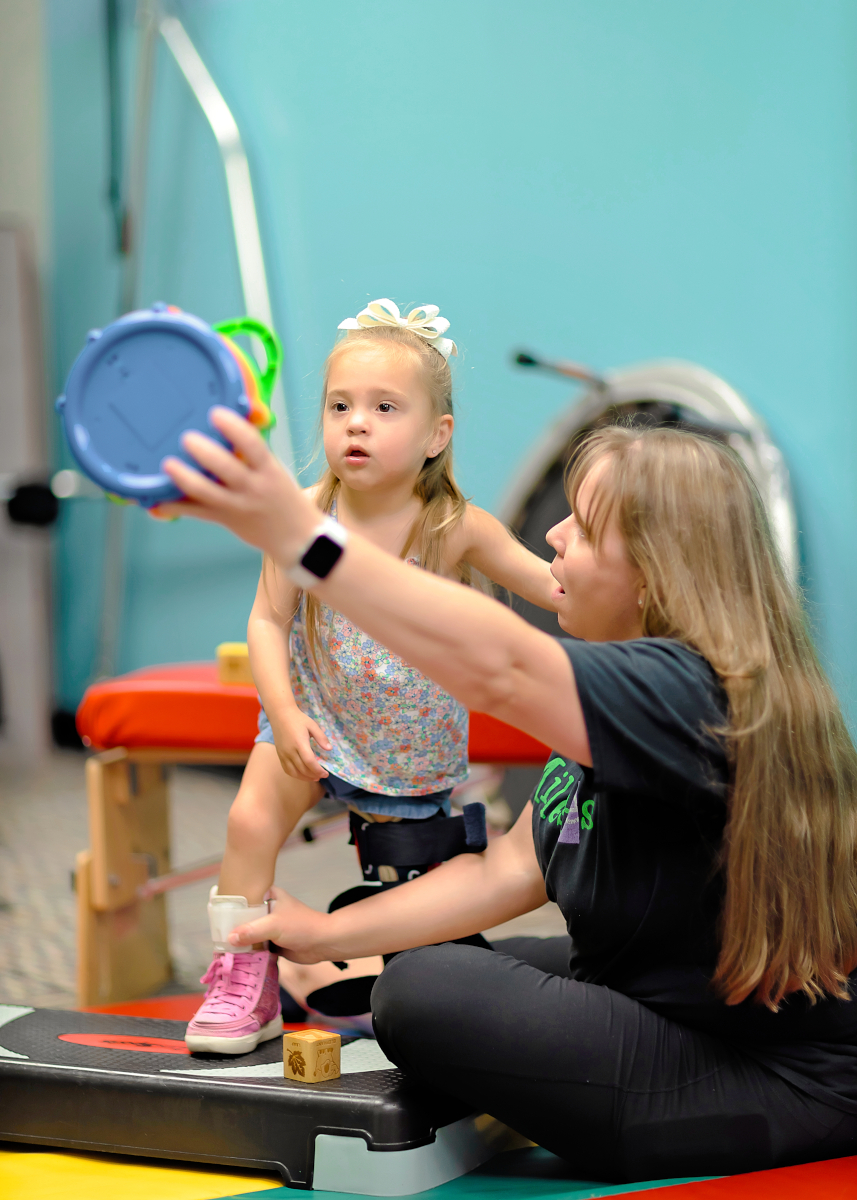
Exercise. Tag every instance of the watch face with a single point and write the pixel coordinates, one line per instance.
(322, 556)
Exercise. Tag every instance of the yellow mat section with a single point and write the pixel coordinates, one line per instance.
(64, 1175)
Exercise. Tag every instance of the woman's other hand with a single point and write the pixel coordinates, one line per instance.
(298, 929)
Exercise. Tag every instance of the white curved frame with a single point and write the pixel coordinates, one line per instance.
(242, 206)
(697, 390)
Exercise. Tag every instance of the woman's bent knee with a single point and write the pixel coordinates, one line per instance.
(397, 1002)
(419, 991)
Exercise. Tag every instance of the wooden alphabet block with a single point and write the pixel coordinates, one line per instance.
(311, 1055)
(233, 663)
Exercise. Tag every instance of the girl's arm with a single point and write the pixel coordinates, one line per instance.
(466, 894)
(268, 644)
(476, 649)
(489, 547)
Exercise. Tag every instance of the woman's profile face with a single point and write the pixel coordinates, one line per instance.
(598, 593)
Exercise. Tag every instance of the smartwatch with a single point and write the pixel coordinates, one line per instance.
(320, 554)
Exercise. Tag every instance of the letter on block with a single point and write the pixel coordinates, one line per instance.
(311, 1055)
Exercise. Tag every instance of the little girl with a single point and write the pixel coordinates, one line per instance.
(343, 716)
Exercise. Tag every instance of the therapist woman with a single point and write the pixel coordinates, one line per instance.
(696, 822)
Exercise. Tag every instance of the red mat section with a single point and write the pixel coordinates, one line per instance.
(164, 1008)
(183, 706)
(832, 1180)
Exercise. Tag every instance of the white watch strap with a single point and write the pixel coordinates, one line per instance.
(329, 528)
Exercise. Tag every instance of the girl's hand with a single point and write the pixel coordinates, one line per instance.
(252, 493)
(292, 732)
(290, 924)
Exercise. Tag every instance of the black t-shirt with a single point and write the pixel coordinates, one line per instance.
(628, 848)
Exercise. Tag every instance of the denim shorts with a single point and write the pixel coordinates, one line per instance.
(378, 803)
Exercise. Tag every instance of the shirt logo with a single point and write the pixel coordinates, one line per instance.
(556, 796)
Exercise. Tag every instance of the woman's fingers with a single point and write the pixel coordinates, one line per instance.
(252, 493)
(289, 924)
(194, 484)
(255, 931)
(216, 459)
(234, 472)
(246, 439)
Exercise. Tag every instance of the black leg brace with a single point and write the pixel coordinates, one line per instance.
(393, 852)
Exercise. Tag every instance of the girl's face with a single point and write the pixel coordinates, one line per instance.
(378, 424)
(599, 591)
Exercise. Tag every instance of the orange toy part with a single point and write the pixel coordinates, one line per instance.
(184, 706)
(260, 413)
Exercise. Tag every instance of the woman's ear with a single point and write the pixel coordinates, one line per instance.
(441, 437)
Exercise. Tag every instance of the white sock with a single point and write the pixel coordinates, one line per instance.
(226, 913)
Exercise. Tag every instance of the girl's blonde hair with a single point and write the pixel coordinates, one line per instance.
(443, 503)
(694, 524)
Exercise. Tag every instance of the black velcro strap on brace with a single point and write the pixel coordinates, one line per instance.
(417, 845)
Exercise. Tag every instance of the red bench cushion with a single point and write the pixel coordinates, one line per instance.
(184, 706)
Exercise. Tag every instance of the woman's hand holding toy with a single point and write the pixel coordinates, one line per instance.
(252, 493)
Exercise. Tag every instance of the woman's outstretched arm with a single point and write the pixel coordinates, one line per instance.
(466, 894)
(478, 650)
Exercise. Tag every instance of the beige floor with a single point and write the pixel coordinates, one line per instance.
(43, 825)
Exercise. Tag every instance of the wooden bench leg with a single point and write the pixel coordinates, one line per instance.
(123, 944)
(122, 954)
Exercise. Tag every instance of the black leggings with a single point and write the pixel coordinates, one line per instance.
(621, 1093)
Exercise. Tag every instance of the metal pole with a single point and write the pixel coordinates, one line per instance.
(113, 577)
(245, 224)
(132, 240)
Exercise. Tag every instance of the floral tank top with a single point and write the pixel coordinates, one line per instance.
(393, 731)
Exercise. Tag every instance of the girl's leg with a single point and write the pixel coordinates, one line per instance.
(242, 1004)
(621, 1093)
(268, 806)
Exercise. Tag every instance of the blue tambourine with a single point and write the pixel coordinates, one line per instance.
(144, 380)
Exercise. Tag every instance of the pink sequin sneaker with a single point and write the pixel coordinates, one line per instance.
(241, 1007)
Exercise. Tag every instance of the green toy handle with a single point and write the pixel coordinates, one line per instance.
(270, 341)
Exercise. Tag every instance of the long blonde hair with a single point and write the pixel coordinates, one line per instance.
(443, 503)
(694, 523)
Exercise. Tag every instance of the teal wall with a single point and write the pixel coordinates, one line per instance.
(611, 180)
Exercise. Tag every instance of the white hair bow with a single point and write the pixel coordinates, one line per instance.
(423, 321)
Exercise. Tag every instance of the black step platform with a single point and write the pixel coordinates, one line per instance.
(126, 1085)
